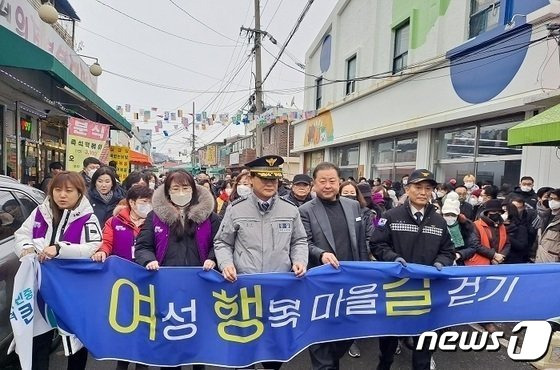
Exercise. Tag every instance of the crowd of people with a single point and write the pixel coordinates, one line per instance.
(183, 220)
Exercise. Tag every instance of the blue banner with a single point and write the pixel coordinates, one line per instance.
(180, 315)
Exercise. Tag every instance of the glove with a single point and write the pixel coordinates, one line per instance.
(401, 261)
(438, 266)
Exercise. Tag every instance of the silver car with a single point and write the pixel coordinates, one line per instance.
(16, 204)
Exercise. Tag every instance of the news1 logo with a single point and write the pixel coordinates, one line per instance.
(535, 342)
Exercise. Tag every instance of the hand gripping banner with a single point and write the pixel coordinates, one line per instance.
(180, 315)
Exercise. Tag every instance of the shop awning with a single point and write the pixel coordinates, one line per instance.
(140, 158)
(542, 129)
(26, 55)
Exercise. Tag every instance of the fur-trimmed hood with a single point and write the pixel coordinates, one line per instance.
(169, 214)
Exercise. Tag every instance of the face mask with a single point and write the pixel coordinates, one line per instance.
(143, 210)
(152, 185)
(440, 194)
(450, 220)
(243, 190)
(180, 199)
(526, 189)
(90, 173)
(353, 197)
(496, 217)
(480, 199)
(473, 201)
(228, 191)
(505, 216)
(405, 181)
(554, 204)
(469, 185)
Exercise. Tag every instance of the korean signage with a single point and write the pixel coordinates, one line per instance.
(85, 139)
(169, 317)
(20, 17)
(121, 155)
(211, 158)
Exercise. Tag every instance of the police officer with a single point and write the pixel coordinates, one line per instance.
(262, 232)
(415, 233)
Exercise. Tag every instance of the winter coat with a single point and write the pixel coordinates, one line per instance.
(119, 235)
(298, 203)
(485, 253)
(78, 233)
(158, 242)
(368, 220)
(46, 182)
(255, 241)
(530, 197)
(398, 234)
(105, 210)
(518, 237)
(467, 210)
(467, 230)
(549, 243)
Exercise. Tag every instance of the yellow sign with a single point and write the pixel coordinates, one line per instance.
(121, 155)
(319, 130)
(211, 158)
(85, 139)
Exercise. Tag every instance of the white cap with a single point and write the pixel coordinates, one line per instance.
(451, 204)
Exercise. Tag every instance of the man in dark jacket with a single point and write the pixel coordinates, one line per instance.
(526, 192)
(91, 164)
(465, 207)
(301, 190)
(54, 169)
(415, 233)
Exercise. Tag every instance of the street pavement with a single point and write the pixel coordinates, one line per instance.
(369, 354)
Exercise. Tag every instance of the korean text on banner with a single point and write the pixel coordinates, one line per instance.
(85, 139)
(121, 155)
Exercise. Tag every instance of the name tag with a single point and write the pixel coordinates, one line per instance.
(358, 219)
(284, 227)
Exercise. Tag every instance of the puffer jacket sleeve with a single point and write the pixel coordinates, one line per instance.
(299, 251)
(24, 235)
(107, 245)
(216, 221)
(145, 249)
(90, 242)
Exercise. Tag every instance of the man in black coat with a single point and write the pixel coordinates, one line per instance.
(414, 233)
(525, 191)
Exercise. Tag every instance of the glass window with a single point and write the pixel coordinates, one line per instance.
(499, 172)
(311, 160)
(318, 92)
(350, 75)
(458, 143)
(447, 171)
(393, 158)
(347, 155)
(493, 141)
(12, 215)
(402, 38)
(485, 15)
(383, 152)
(405, 150)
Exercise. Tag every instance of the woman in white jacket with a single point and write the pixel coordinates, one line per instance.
(64, 226)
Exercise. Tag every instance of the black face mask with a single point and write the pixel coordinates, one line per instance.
(496, 217)
(353, 197)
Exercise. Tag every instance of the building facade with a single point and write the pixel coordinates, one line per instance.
(404, 84)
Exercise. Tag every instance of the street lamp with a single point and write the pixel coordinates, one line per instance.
(48, 13)
(95, 69)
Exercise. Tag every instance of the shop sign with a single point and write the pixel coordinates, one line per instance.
(121, 155)
(85, 139)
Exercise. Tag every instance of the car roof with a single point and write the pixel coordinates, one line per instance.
(35, 193)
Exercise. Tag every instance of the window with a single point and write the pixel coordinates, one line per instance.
(350, 75)
(12, 214)
(480, 149)
(393, 158)
(484, 16)
(347, 158)
(318, 92)
(312, 159)
(402, 37)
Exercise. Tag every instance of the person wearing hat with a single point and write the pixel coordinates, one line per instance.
(262, 232)
(416, 233)
(490, 238)
(301, 190)
(460, 228)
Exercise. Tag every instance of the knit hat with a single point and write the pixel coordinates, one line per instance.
(493, 205)
(365, 189)
(476, 192)
(377, 198)
(451, 204)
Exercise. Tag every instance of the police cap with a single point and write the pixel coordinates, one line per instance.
(267, 167)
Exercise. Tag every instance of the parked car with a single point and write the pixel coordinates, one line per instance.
(16, 204)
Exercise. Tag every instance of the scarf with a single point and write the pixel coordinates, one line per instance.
(107, 197)
(543, 215)
(224, 196)
(456, 237)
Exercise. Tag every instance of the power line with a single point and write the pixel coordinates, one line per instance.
(273, 15)
(162, 30)
(200, 22)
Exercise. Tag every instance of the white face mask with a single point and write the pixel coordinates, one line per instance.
(143, 209)
(90, 173)
(152, 185)
(440, 194)
(505, 216)
(405, 181)
(526, 189)
(244, 190)
(554, 204)
(181, 199)
(469, 185)
(450, 220)
(473, 201)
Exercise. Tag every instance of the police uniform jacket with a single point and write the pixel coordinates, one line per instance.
(398, 234)
(255, 241)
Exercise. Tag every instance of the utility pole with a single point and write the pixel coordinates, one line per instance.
(193, 159)
(257, 34)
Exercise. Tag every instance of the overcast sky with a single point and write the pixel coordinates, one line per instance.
(187, 68)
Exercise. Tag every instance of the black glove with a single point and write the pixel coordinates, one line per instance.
(401, 261)
(438, 266)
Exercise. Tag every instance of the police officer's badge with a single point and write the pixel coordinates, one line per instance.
(382, 222)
